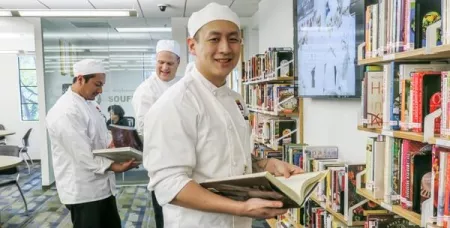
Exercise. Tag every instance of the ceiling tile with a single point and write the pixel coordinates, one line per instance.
(245, 8)
(22, 4)
(151, 10)
(58, 4)
(195, 5)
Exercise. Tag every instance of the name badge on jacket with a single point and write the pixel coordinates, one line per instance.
(241, 108)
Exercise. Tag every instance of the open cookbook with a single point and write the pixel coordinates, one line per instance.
(292, 191)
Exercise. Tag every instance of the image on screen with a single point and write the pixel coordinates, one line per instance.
(326, 48)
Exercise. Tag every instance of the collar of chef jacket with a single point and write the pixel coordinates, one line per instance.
(216, 91)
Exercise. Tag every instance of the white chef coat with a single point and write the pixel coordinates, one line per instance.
(76, 127)
(195, 131)
(146, 95)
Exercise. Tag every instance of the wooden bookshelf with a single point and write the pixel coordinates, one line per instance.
(339, 216)
(409, 215)
(294, 114)
(438, 52)
(444, 142)
(397, 134)
(269, 80)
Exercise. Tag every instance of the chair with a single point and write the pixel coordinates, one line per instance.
(24, 149)
(2, 138)
(131, 120)
(10, 150)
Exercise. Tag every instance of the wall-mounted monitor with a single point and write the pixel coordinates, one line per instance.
(326, 36)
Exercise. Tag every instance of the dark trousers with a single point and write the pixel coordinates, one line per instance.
(97, 214)
(159, 218)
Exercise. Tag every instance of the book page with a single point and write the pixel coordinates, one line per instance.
(296, 182)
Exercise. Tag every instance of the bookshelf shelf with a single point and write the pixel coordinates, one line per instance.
(272, 113)
(397, 134)
(443, 142)
(279, 148)
(269, 80)
(339, 216)
(409, 215)
(438, 52)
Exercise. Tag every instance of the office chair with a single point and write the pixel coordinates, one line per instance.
(2, 138)
(24, 149)
(9, 150)
(130, 120)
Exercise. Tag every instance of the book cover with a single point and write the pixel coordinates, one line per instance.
(124, 136)
(292, 191)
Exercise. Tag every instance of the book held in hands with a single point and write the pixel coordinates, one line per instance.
(292, 191)
(127, 145)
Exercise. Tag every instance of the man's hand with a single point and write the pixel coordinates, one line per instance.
(259, 208)
(111, 145)
(124, 166)
(281, 168)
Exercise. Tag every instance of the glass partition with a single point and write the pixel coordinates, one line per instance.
(128, 57)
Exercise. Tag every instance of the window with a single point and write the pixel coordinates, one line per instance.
(28, 88)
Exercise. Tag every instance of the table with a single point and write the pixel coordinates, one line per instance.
(6, 133)
(7, 162)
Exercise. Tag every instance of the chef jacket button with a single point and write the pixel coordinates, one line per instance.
(215, 93)
(234, 163)
(230, 127)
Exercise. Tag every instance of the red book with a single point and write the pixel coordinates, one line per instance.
(447, 194)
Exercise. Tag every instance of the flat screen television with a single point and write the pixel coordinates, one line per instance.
(326, 36)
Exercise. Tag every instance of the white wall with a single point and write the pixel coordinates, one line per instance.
(275, 24)
(16, 34)
(326, 122)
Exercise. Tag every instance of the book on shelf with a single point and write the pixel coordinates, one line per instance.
(127, 145)
(292, 191)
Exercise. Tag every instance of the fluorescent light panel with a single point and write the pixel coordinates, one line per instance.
(148, 29)
(5, 13)
(72, 13)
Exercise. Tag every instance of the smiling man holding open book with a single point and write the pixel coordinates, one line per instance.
(197, 131)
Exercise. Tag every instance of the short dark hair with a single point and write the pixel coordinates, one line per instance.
(118, 110)
(86, 77)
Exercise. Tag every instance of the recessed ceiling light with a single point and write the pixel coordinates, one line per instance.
(77, 13)
(145, 29)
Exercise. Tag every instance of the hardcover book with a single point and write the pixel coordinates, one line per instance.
(126, 142)
(292, 191)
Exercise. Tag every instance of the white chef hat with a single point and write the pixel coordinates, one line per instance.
(211, 12)
(88, 66)
(168, 45)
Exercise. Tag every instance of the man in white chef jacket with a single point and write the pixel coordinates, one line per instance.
(85, 184)
(197, 130)
(146, 94)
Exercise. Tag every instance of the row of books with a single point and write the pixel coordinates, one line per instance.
(400, 25)
(301, 155)
(413, 175)
(398, 96)
(275, 62)
(277, 98)
(273, 131)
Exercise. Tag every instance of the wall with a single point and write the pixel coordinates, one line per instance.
(275, 24)
(326, 122)
(16, 34)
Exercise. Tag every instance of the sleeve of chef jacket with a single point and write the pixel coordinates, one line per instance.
(141, 106)
(169, 151)
(75, 140)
